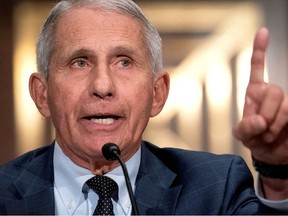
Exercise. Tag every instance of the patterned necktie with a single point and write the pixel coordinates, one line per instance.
(104, 187)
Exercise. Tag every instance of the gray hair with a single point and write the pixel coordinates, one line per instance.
(45, 43)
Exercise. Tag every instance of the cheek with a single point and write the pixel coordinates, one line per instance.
(56, 109)
(60, 99)
(141, 99)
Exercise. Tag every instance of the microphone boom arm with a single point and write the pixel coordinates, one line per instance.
(128, 185)
(112, 152)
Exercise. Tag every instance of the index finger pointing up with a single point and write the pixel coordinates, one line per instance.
(258, 55)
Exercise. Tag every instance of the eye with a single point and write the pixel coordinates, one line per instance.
(79, 63)
(124, 63)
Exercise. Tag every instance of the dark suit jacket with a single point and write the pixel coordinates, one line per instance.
(169, 181)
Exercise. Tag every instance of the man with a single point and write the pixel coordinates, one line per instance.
(100, 80)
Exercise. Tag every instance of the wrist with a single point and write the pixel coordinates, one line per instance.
(271, 170)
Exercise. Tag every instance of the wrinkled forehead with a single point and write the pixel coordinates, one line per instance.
(104, 10)
(98, 21)
(95, 24)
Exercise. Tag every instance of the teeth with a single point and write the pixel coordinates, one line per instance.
(105, 121)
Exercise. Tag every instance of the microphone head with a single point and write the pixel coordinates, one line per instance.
(110, 151)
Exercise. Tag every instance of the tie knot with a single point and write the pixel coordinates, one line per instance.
(102, 185)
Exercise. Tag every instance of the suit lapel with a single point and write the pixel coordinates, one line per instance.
(154, 191)
(34, 186)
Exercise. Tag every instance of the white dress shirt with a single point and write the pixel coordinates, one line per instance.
(74, 197)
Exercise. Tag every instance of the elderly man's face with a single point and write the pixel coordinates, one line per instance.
(100, 87)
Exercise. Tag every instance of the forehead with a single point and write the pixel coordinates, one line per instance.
(97, 23)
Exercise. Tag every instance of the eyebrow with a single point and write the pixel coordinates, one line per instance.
(124, 50)
(78, 53)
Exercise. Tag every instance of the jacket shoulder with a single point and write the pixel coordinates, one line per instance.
(182, 161)
(212, 178)
(31, 161)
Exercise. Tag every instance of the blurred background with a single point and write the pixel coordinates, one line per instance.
(207, 47)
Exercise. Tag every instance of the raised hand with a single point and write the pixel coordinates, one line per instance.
(263, 128)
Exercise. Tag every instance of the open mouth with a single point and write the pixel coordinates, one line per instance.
(103, 119)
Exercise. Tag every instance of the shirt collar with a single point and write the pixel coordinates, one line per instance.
(70, 178)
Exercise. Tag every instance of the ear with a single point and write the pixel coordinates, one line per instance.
(161, 91)
(38, 92)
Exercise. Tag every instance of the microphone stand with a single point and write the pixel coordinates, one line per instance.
(112, 152)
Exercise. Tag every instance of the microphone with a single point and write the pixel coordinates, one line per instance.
(112, 152)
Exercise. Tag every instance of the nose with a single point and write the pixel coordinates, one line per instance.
(102, 85)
